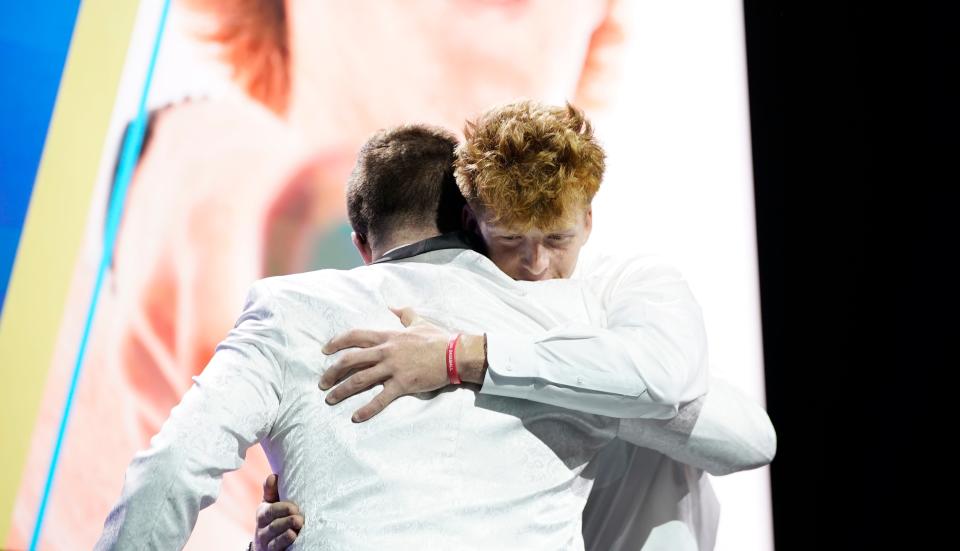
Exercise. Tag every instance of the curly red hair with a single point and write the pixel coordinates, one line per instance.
(527, 164)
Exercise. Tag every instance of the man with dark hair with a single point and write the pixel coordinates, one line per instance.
(398, 170)
(430, 471)
(529, 173)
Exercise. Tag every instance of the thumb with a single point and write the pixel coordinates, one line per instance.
(407, 316)
(271, 493)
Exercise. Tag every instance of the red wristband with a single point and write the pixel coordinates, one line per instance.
(452, 360)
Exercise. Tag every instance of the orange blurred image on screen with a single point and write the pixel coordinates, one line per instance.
(231, 190)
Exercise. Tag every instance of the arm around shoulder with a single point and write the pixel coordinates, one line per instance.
(722, 432)
(643, 354)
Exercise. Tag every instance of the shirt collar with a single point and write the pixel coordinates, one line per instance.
(451, 240)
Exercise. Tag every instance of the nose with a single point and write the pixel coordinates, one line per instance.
(536, 260)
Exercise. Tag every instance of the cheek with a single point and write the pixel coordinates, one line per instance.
(562, 263)
(505, 259)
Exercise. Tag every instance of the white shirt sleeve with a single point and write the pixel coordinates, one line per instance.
(230, 407)
(722, 432)
(650, 357)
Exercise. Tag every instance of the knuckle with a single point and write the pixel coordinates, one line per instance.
(407, 381)
(333, 372)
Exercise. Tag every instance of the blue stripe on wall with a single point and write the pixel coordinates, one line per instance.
(34, 40)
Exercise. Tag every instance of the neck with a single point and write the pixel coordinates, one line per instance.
(399, 238)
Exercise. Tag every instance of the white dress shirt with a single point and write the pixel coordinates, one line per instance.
(642, 357)
(661, 499)
(448, 469)
(652, 354)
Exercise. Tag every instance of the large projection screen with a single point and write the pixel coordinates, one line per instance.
(664, 82)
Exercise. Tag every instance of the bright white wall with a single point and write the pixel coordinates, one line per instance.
(680, 184)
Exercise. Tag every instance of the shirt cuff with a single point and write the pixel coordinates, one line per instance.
(510, 356)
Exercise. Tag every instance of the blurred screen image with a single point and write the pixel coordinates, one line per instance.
(257, 109)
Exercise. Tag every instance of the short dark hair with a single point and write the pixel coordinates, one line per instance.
(404, 177)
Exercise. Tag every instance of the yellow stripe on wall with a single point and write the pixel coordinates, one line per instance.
(54, 226)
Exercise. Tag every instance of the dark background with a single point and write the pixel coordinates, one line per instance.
(853, 117)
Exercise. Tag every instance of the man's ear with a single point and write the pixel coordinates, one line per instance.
(363, 247)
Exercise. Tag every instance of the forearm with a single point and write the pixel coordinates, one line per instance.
(617, 400)
(643, 353)
(722, 432)
(159, 504)
(166, 485)
(229, 408)
(623, 372)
